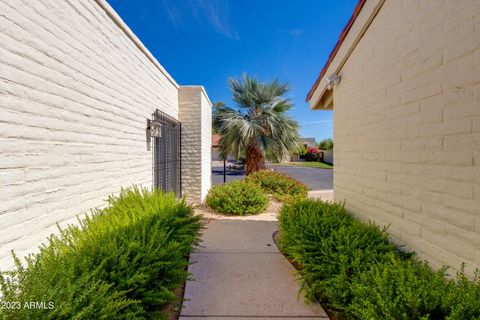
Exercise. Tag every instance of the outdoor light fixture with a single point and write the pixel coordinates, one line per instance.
(153, 130)
(332, 81)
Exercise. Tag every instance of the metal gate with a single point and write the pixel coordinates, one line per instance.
(167, 158)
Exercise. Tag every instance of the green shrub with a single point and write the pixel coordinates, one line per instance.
(400, 289)
(464, 301)
(121, 262)
(281, 186)
(302, 150)
(237, 197)
(331, 247)
(409, 289)
(326, 144)
(352, 267)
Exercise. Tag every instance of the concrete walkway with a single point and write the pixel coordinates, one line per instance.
(238, 273)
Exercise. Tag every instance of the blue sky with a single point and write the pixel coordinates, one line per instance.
(203, 42)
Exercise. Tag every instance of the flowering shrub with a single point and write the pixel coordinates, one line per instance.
(313, 154)
(281, 186)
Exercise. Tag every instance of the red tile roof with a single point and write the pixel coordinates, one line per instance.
(216, 140)
(332, 55)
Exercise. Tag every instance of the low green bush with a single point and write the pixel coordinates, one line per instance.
(280, 185)
(238, 198)
(400, 289)
(331, 246)
(409, 289)
(352, 267)
(121, 262)
(464, 301)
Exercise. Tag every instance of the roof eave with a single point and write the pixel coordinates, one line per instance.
(332, 55)
(349, 38)
(324, 102)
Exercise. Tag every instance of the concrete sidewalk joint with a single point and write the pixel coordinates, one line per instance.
(238, 272)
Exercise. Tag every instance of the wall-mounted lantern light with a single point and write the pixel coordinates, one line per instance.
(153, 130)
(332, 81)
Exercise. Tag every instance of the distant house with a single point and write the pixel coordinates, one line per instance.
(216, 149)
(404, 82)
(305, 143)
(309, 142)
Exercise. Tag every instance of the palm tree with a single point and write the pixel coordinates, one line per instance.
(260, 129)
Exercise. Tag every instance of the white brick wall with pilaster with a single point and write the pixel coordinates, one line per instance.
(76, 87)
(195, 113)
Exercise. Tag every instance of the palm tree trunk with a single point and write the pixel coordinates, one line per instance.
(255, 158)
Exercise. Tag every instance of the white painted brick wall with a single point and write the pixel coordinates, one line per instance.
(75, 90)
(206, 146)
(328, 156)
(406, 127)
(196, 117)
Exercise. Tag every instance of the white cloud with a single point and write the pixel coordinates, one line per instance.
(173, 13)
(214, 12)
(217, 13)
(295, 32)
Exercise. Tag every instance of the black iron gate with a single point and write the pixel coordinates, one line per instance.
(167, 173)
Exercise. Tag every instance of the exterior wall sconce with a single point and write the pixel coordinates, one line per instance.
(153, 130)
(333, 80)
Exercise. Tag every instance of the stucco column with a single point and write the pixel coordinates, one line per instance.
(195, 113)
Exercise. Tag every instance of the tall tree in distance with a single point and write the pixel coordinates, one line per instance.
(217, 108)
(326, 144)
(260, 128)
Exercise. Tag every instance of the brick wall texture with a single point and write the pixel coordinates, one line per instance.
(76, 87)
(407, 128)
(196, 117)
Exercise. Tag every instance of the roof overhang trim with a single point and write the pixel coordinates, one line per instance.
(319, 95)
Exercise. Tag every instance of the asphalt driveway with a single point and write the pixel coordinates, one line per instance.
(217, 175)
(316, 179)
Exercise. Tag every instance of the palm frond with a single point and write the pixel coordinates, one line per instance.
(262, 119)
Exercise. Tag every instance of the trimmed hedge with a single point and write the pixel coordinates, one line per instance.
(238, 198)
(280, 185)
(122, 262)
(352, 267)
